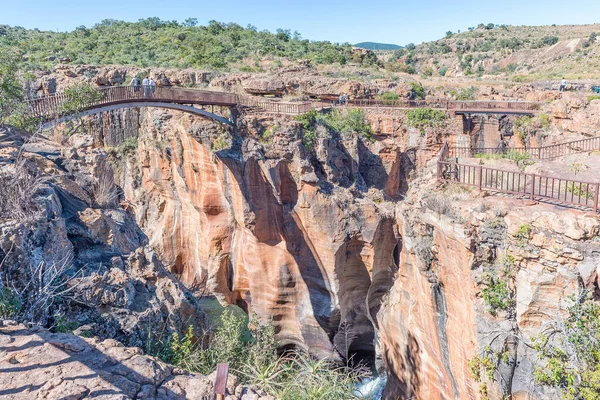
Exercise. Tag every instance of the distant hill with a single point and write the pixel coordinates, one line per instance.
(377, 46)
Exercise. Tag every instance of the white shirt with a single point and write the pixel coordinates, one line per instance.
(563, 82)
(152, 83)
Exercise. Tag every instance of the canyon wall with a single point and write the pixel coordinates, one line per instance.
(345, 246)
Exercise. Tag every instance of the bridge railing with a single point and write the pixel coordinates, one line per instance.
(492, 105)
(541, 152)
(58, 103)
(292, 108)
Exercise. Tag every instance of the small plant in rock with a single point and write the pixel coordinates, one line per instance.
(128, 145)
(10, 304)
(523, 234)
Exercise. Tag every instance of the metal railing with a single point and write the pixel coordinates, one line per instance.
(58, 104)
(540, 153)
(535, 187)
(291, 108)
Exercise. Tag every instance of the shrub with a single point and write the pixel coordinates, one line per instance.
(390, 96)
(569, 350)
(130, 144)
(523, 233)
(427, 71)
(443, 70)
(594, 97)
(78, 96)
(425, 117)
(418, 90)
(10, 304)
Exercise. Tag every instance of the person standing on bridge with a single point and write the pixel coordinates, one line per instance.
(563, 85)
(341, 99)
(346, 98)
(135, 82)
(152, 87)
(145, 84)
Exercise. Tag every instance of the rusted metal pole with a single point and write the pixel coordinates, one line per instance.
(221, 380)
(596, 197)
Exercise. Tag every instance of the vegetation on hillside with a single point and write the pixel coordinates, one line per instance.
(377, 46)
(154, 42)
(484, 49)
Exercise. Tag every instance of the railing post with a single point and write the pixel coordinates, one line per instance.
(540, 153)
(531, 196)
(480, 177)
(596, 197)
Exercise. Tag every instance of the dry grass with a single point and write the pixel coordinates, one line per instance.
(105, 191)
(18, 185)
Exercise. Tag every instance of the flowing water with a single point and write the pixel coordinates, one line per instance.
(372, 388)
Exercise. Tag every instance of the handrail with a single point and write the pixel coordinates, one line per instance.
(540, 152)
(57, 104)
(52, 105)
(535, 187)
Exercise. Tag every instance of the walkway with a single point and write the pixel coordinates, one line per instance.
(572, 193)
(58, 106)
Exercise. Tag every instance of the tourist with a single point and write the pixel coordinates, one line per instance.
(341, 99)
(346, 98)
(135, 82)
(152, 87)
(145, 84)
(563, 84)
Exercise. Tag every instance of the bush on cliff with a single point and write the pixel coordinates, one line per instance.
(569, 350)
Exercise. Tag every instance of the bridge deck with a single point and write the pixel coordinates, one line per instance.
(61, 105)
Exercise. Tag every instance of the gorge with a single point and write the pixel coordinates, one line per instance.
(332, 226)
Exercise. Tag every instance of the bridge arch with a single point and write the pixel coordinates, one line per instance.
(172, 106)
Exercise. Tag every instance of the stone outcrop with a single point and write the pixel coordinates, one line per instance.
(118, 287)
(35, 362)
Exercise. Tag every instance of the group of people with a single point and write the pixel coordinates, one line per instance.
(148, 84)
(343, 99)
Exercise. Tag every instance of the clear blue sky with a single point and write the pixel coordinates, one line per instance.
(352, 21)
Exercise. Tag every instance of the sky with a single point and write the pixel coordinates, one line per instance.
(398, 22)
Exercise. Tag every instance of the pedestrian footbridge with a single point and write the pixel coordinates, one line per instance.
(62, 107)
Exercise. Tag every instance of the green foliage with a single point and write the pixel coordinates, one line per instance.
(464, 93)
(443, 70)
(523, 233)
(351, 120)
(594, 97)
(390, 96)
(418, 90)
(427, 71)
(377, 46)
(580, 191)
(78, 96)
(13, 109)
(10, 305)
(422, 118)
(497, 293)
(570, 352)
(130, 144)
(154, 42)
(63, 325)
(256, 362)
